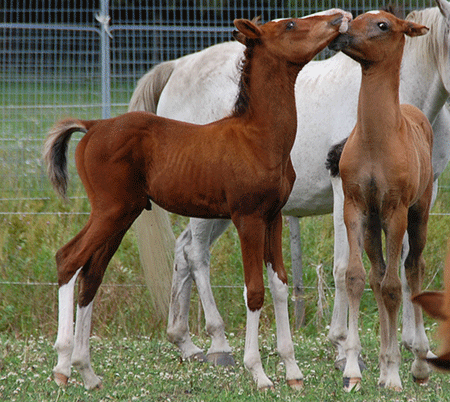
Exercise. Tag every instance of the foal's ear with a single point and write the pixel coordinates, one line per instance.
(247, 29)
(413, 29)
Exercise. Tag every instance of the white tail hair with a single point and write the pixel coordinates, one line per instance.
(155, 237)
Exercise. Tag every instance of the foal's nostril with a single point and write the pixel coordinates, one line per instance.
(337, 20)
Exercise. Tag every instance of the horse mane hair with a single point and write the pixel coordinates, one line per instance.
(431, 43)
(243, 98)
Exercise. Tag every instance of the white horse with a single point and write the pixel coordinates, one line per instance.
(202, 87)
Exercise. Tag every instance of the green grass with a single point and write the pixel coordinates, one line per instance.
(149, 369)
(30, 234)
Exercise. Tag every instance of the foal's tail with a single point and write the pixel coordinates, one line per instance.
(55, 151)
(154, 234)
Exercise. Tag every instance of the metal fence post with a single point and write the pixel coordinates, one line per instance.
(103, 18)
(297, 271)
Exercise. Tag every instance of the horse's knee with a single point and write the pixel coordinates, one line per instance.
(391, 292)
(254, 298)
(355, 281)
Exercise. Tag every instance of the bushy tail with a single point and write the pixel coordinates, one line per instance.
(55, 152)
(437, 305)
(155, 238)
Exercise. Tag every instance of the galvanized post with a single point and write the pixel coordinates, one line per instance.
(103, 18)
(297, 271)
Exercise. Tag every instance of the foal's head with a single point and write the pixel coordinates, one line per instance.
(376, 36)
(295, 40)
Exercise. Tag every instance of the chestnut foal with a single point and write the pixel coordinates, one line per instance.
(387, 181)
(238, 168)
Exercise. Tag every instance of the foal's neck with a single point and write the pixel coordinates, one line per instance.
(379, 104)
(272, 98)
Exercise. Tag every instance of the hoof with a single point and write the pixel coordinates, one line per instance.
(295, 384)
(61, 379)
(198, 357)
(96, 387)
(220, 359)
(352, 383)
(420, 381)
(396, 388)
(266, 388)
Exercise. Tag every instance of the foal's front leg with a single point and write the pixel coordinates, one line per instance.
(355, 282)
(279, 289)
(252, 231)
(391, 294)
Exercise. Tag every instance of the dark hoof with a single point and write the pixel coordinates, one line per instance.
(198, 357)
(352, 384)
(220, 359)
(420, 381)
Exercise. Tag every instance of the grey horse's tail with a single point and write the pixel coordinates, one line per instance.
(154, 234)
(148, 89)
(333, 158)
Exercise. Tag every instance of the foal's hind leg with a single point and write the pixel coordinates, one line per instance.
(279, 289)
(70, 260)
(90, 279)
(64, 340)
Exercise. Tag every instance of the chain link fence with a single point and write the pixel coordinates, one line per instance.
(82, 58)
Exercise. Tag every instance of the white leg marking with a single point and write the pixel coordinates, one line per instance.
(285, 346)
(64, 339)
(81, 356)
(252, 358)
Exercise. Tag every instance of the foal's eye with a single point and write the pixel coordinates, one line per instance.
(290, 25)
(383, 26)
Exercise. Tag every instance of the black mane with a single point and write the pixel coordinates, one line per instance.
(243, 98)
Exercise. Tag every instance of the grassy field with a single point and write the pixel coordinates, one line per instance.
(149, 369)
(129, 348)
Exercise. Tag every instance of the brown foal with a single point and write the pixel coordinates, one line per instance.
(387, 181)
(237, 168)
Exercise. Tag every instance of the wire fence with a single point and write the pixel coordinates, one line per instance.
(83, 58)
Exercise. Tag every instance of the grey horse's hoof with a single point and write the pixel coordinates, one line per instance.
(221, 359)
(198, 357)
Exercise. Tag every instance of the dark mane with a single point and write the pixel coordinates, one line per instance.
(243, 98)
